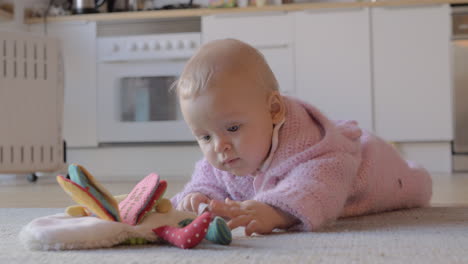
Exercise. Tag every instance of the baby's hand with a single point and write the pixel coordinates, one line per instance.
(191, 202)
(255, 216)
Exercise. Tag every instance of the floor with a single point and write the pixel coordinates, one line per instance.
(16, 191)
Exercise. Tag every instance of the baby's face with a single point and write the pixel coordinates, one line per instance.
(232, 124)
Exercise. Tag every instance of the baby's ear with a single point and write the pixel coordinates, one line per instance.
(277, 107)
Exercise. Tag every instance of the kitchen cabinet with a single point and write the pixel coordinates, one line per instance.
(269, 32)
(333, 69)
(411, 69)
(78, 42)
(386, 67)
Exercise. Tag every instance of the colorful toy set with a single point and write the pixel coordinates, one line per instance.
(141, 217)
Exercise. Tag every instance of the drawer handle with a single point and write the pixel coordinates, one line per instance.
(333, 10)
(252, 14)
(405, 6)
(274, 46)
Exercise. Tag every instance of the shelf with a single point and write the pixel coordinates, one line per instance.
(179, 13)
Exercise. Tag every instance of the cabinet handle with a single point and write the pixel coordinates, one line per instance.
(389, 5)
(252, 14)
(274, 46)
(333, 10)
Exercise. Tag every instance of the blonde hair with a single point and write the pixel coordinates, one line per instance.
(220, 57)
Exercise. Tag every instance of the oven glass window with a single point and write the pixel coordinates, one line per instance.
(145, 99)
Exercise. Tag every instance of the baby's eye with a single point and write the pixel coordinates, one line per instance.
(233, 128)
(206, 138)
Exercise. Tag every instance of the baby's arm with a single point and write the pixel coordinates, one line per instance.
(203, 181)
(315, 191)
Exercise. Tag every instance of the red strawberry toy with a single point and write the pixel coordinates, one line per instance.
(186, 237)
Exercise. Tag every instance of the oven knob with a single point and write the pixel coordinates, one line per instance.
(157, 46)
(164, 44)
(115, 48)
(193, 44)
(180, 44)
(168, 45)
(134, 47)
(145, 47)
(187, 44)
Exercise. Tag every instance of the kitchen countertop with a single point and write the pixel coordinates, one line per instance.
(198, 12)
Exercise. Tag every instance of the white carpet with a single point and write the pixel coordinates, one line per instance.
(430, 235)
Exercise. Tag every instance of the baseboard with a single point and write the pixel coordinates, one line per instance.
(460, 163)
(434, 156)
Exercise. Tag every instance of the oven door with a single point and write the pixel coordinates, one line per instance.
(135, 104)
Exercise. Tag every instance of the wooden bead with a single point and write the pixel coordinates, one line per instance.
(163, 206)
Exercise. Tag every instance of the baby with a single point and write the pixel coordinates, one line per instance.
(274, 162)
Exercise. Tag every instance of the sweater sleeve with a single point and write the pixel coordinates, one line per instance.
(203, 180)
(315, 192)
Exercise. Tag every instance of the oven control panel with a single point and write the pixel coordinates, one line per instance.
(148, 47)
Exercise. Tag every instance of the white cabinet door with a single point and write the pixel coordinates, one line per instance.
(78, 41)
(269, 32)
(333, 63)
(412, 83)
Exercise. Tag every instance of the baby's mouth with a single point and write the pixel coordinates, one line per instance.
(230, 162)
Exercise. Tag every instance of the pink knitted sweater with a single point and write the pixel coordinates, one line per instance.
(320, 171)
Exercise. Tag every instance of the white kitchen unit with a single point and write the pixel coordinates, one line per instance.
(412, 73)
(78, 41)
(333, 71)
(135, 74)
(269, 32)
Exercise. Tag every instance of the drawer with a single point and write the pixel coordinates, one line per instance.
(262, 30)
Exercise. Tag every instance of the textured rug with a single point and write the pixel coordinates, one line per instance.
(429, 235)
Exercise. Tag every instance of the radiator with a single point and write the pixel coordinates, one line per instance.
(31, 104)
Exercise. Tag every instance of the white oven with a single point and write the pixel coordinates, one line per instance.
(134, 77)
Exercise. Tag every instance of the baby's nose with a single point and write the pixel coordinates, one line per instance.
(222, 145)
